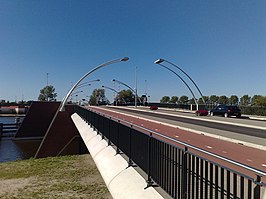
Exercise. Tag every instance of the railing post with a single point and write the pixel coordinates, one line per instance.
(94, 121)
(117, 147)
(98, 124)
(149, 180)
(90, 118)
(184, 175)
(1, 130)
(130, 162)
(257, 188)
(103, 127)
(109, 131)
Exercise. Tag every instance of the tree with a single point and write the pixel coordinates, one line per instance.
(47, 94)
(214, 99)
(233, 100)
(98, 97)
(191, 101)
(245, 100)
(223, 100)
(174, 99)
(206, 99)
(183, 99)
(259, 100)
(165, 99)
(125, 96)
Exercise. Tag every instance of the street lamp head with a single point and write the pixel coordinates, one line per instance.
(102, 86)
(158, 61)
(97, 80)
(124, 59)
(113, 80)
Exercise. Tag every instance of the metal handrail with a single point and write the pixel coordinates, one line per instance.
(256, 171)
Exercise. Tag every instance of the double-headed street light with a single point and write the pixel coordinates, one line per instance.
(61, 107)
(160, 61)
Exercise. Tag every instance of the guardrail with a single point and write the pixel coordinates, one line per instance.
(8, 130)
(182, 170)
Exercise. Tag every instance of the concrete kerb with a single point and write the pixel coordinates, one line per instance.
(122, 181)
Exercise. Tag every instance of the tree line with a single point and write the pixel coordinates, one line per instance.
(245, 100)
(126, 96)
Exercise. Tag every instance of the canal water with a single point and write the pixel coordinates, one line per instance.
(11, 150)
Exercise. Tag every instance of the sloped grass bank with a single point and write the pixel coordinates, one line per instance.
(55, 177)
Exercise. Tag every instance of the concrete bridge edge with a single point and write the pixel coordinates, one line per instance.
(122, 181)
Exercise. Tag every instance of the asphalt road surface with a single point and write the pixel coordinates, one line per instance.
(239, 130)
(242, 153)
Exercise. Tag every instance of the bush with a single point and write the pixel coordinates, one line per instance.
(253, 110)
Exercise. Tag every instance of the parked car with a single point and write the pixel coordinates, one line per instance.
(226, 111)
(201, 112)
(153, 107)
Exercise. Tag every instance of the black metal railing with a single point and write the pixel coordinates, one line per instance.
(182, 170)
(8, 130)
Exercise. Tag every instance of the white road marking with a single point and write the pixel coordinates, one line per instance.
(209, 147)
(257, 146)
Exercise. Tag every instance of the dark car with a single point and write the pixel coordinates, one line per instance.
(201, 112)
(226, 111)
(153, 107)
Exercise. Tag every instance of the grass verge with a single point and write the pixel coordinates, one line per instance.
(54, 177)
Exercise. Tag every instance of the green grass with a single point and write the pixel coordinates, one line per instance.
(54, 177)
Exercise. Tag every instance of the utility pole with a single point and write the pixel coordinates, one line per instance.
(47, 74)
(136, 87)
(145, 87)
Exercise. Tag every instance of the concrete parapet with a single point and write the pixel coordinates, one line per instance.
(122, 181)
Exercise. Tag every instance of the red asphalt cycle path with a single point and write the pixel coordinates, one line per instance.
(249, 156)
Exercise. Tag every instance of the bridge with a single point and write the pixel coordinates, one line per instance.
(143, 158)
(181, 169)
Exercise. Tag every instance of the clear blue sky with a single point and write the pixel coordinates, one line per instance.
(220, 44)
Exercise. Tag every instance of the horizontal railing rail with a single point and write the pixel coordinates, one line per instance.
(181, 172)
(8, 130)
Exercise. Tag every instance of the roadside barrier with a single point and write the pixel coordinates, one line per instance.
(8, 130)
(182, 170)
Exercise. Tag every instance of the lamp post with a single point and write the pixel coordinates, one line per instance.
(87, 83)
(62, 104)
(136, 95)
(159, 61)
(76, 95)
(61, 107)
(114, 91)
